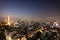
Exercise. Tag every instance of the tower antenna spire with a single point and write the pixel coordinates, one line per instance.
(8, 22)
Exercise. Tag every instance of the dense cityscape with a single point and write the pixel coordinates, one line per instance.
(29, 30)
(29, 20)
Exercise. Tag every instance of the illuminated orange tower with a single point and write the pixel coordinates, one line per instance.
(8, 21)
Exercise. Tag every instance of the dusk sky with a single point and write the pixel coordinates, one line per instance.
(35, 8)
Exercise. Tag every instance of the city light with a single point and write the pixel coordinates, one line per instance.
(9, 38)
(8, 21)
(18, 39)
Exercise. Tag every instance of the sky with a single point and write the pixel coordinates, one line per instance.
(30, 8)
